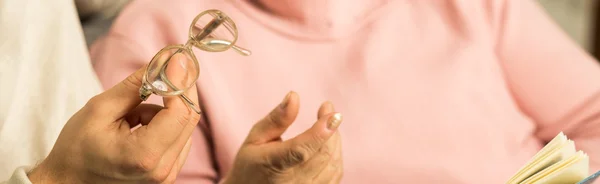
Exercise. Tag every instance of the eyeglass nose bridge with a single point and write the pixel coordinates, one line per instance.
(206, 40)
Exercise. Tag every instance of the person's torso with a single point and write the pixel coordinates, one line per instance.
(422, 94)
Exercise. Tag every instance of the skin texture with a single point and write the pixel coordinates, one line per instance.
(116, 139)
(311, 157)
(99, 145)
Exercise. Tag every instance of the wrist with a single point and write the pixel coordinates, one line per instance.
(40, 174)
(45, 174)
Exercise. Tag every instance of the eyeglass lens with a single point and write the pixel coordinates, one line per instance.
(170, 75)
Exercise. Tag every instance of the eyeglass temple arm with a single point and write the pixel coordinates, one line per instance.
(241, 50)
(190, 103)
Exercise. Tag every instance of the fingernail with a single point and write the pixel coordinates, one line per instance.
(285, 101)
(334, 121)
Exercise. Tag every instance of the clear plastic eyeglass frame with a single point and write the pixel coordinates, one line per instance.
(211, 31)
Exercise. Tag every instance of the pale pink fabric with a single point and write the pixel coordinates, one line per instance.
(432, 91)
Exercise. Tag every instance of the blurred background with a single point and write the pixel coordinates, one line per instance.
(578, 18)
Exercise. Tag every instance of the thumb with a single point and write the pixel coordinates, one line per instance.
(272, 126)
(304, 146)
(117, 101)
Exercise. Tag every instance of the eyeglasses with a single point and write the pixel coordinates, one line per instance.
(211, 31)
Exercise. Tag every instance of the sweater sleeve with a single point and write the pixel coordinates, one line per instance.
(555, 82)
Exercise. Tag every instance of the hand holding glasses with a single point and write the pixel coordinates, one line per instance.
(211, 31)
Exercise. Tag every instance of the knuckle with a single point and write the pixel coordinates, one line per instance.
(274, 119)
(187, 119)
(95, 105)
(317, 140)
(325, 150)
(132, 82)
(287, 159)
(296, 157)
(299, 154)
(275, 169)
(182, 120)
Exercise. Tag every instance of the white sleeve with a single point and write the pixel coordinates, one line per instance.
(45, 77)
(19, 176)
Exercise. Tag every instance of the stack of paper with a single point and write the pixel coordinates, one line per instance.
(558, 162)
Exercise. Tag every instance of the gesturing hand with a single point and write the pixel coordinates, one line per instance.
(98, 145)
(311, 157)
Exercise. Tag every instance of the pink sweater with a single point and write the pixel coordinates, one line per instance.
(431, 91)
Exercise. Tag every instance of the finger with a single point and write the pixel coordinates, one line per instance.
(276, 122)
(338, 162)
(169, 158)
(183, 155)
(302, 147)
(315, 165)
(174, 121)
(332, 176)
(326, 108)
(332, 151)
(332, 173)
(339, 174)
(179, 162)
(178, 75)
(142, 114)
(337, 143)
(115, 102)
